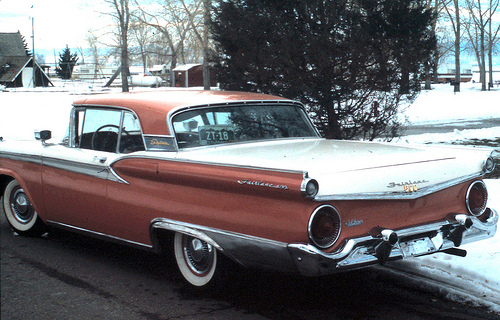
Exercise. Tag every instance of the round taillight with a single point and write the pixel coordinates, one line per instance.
(489, 165)
(477, 197)
(324, 226)
(309, 188)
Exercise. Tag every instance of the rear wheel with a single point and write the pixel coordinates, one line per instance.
(20, 213)
(197, 260)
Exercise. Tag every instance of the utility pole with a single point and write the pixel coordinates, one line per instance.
(33, 45)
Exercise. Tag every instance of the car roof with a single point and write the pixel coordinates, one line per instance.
(153, 107)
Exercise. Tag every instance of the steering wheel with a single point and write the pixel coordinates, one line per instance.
(104, 142)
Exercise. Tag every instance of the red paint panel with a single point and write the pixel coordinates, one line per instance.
(29, 176)
(76, 199)
(399, 214)
(211, 196)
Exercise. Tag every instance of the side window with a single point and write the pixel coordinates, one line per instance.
(100, 130)
(79, 116)
(131, 135)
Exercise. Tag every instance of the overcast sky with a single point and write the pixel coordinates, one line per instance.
(56, 22)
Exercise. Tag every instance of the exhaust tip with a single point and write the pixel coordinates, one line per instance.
(389, 236)
(464, 220)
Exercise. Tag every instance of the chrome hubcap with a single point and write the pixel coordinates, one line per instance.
(21, 206)
(199, 255)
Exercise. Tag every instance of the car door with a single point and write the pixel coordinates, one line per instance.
(76, 175)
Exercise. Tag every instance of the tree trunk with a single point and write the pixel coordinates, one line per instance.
(206, 68)
(482, 69)
(124, 58)
(404, 87)
(334, 130)
(436, 54)
(457, 48)
(490, 56)
(427, 77)
(435, 68)
(124, 16)
(113, 77)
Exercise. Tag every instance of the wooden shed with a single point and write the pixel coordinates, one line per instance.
(191, 75)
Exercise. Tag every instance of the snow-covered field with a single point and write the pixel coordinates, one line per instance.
(475, 278)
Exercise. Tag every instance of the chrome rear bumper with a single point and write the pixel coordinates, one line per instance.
(416, 241)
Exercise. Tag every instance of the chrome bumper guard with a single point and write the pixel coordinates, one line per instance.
(411, 242)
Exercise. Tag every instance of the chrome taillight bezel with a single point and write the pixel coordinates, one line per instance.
(309, 188)
(489, 165)
(477, 186)
(331, 213)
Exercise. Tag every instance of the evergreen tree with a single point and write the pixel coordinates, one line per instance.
(350, 62)
(67, 61)
(28, 52)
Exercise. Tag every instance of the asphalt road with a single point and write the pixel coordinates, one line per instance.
(68, 276)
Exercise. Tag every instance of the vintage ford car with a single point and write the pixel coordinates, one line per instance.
(226, 176)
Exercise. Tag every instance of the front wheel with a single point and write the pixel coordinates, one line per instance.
(20, 213)
(197, 260)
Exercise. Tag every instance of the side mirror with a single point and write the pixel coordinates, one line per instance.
(43, 135)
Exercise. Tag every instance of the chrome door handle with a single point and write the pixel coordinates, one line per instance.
(100, 159)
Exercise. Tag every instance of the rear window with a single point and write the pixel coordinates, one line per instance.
(239, 123)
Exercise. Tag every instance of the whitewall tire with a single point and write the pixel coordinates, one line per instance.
(196, 260)
(19, 211)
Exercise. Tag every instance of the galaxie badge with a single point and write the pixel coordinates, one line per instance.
(408, 186)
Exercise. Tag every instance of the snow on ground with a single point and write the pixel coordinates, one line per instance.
(442, 104)
(475, 278)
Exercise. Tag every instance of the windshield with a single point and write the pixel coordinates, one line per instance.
(219, 125)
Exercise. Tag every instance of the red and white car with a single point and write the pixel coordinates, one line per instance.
(242, 177)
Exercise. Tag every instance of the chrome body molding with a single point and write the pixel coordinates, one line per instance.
(308, 260)
(416, 241)
(97, 170)
(100, 171)
(99, 235)
(399, 195)
(30, 158)
(166, 156)
(93, 170)
(247, 250)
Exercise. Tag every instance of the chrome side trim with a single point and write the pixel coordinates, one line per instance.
(399, 195)
(92, 170)
(99, 235)
(36, 159)
(156, 157)
(244, 249)
(116, 177)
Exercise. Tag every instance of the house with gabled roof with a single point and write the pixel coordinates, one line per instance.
(16, 66)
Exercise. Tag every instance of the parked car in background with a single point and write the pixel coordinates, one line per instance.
(242, 177)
